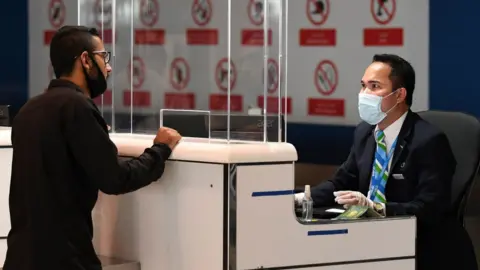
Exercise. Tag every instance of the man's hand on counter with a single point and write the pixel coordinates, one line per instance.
(167, 136)
(347, 198)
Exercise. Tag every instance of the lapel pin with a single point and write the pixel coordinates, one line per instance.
(402, 165)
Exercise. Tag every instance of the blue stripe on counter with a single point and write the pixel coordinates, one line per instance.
(327, 232)
(272, 193)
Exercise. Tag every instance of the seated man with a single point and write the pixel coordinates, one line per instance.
(400, 165)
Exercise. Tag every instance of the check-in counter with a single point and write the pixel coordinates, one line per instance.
(230, 206)
(224, 206)
(5, 172)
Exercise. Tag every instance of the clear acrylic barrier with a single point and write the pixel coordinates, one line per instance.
(206, 57)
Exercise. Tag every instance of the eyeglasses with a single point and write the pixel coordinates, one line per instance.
(105, 54)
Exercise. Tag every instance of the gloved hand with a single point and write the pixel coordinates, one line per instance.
(348, 198)
(299, 198)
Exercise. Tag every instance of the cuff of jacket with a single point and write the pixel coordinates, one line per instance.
(162, 150)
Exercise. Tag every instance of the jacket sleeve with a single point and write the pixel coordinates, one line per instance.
(97, 155)
(345, 178)
(432, 194)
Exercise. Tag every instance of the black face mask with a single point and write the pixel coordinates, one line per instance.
(96, 84)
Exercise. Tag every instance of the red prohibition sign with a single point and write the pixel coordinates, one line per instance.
(221, 74)
(324, 82)
(138, 72)
(56, 13)
(381, 12)
(202, 12)
(179, 73)
(107, 13)
(318, 11)
(272, 75)
(255, 12)
(149, 12)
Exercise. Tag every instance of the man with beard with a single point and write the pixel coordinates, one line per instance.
(62, 157)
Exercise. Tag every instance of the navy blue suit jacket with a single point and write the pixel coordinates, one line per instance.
(425, 159)
(422, 155)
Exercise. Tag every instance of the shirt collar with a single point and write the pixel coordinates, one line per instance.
(393, 129)
(62, 83)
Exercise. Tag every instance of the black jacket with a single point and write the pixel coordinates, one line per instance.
(62, 157)
(425, 159)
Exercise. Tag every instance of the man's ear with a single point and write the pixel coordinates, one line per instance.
(85, 60)
(402, 96)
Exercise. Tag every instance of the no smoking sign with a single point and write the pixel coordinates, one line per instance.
(326, 77)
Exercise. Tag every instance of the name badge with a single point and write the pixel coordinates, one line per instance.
(398, 176)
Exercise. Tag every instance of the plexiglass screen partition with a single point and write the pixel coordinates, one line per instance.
(220, 62)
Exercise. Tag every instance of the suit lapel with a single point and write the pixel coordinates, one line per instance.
(403, 138)
(368, 156)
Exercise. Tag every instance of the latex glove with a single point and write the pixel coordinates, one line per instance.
(299, 198)
(348, 198)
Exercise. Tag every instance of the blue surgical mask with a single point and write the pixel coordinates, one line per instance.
(370, 108)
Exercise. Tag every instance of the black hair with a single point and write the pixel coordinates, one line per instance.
(67, 44)
(402, 74)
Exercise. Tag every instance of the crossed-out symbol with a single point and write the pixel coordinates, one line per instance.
(383, 11)
(57, 13)
(326, 77)
(318, 11)
(255, 10)
(149, 12)
(202, 10)
(103, 18)
(222, 75)
(272, 76)
(138, 70)
(180, 73)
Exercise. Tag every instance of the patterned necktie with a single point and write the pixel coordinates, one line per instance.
(380, 169)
